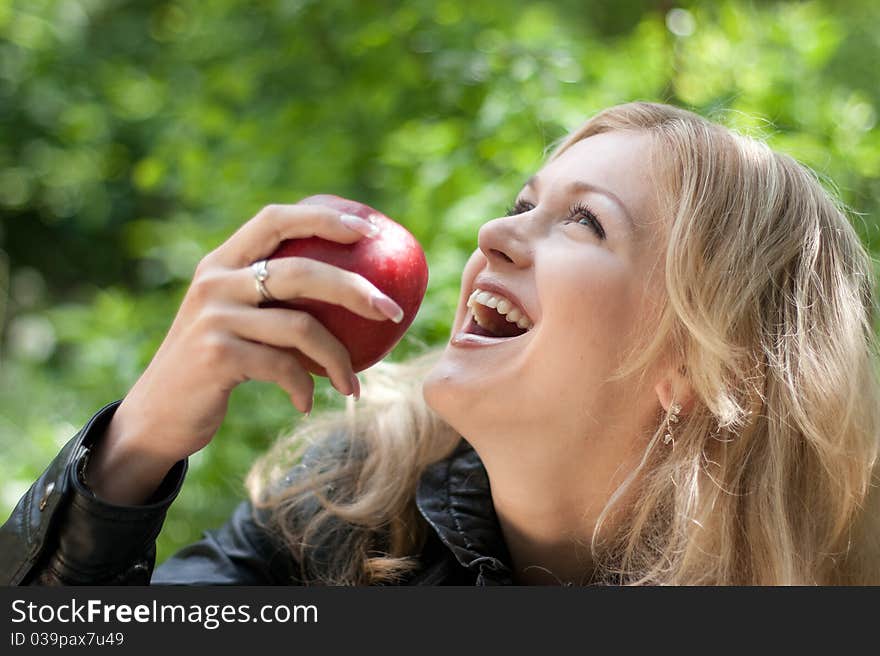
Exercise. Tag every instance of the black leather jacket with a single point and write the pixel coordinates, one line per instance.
(61, 534)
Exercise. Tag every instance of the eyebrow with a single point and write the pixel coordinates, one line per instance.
(581, 186)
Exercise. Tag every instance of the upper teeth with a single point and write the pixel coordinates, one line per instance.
(501, 305)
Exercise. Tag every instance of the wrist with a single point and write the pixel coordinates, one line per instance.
(120, 469)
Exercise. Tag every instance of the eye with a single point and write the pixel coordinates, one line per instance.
(519, 207)
(580, 212)
(586, 216)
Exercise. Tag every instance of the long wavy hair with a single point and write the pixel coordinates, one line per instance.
(772, 478)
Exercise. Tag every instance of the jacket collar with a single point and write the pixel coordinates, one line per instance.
(454, 497)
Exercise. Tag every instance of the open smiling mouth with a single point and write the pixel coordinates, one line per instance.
(492, 315)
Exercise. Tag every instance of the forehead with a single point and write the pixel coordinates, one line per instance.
(616, 161)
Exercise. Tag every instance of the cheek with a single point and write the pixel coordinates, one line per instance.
(590, 322)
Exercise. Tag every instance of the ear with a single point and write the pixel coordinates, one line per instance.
(674, 387)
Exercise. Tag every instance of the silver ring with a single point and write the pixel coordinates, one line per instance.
(261, 275)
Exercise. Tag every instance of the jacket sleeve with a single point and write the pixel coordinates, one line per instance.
(61, 534)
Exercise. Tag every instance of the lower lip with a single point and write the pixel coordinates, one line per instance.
(470, 340)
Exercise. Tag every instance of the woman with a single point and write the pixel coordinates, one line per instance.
(686, 394)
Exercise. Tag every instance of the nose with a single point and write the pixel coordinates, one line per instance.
(504, 241)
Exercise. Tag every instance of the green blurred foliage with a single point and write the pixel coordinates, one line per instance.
(137, 135)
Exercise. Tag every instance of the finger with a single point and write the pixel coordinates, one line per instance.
(260, 236)
(293, 329)
(262, 362)
(301, 277)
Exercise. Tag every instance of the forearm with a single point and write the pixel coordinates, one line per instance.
(101, 543)
(120, 469)
(60, 533)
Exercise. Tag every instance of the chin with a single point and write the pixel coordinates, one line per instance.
(435, 389)
(444, 396)
(464, 401)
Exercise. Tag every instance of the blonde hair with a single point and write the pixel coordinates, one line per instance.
(772, 476)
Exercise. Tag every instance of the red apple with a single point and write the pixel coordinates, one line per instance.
(393, 261)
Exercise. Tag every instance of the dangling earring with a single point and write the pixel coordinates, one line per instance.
(672, 419)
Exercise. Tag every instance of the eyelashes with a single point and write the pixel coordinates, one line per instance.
(584, 213)
(519, 207)
(579, 211)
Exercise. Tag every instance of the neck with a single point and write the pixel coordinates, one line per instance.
(548, 507)
(545, 559)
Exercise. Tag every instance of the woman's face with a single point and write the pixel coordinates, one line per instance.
(577, 260)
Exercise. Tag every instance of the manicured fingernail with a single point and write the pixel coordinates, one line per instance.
(360, 225)
(356, 387)
(387, 307)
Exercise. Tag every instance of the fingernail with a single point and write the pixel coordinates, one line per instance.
(387, 307)
(360, 225)
(356, 387)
